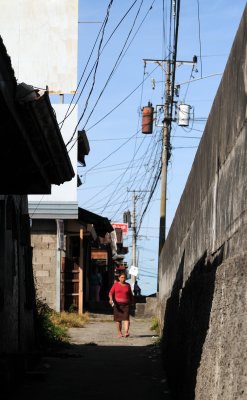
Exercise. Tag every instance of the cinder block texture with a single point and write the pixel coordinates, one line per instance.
(202, 266)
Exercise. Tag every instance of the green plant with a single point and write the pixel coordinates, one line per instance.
(73, 308)
(49, 334)
(155, 325)
(52, 327)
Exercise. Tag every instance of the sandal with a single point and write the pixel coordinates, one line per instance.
(120, 335)
(127, 334)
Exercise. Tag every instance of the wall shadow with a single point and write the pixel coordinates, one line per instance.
(186, 323)
(92, 371)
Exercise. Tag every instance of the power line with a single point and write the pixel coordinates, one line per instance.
(95, 66)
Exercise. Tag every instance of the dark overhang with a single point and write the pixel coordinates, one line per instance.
(101, 225)
(33, 155)
(45, 136)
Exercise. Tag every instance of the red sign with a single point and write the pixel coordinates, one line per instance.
(122, 226)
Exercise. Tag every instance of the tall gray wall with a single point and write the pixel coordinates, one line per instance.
(203, 264)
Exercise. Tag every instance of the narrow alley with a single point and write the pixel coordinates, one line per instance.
(98, 363)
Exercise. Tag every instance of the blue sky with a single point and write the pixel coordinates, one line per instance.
(116, 84)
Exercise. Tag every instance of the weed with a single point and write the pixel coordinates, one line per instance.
(155, 325)
(70, 319)
(52, 326)
(49, 334)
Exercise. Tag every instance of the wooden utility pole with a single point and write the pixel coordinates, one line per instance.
(166, 129)
(165, 146)
(133, 278)
(81, 266)
(134, 232)
(164, 163)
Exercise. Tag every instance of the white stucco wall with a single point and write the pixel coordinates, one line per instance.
(45, 34)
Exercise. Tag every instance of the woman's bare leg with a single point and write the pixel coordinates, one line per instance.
(126, 327)
(119, 328)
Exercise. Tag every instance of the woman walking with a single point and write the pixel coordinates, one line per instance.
(121, 297)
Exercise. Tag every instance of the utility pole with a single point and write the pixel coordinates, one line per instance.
(134, 232)
(165, 144)
(166, 128)
(133, 278)
(165, 147)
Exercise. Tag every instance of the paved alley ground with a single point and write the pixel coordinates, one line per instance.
(99, 364)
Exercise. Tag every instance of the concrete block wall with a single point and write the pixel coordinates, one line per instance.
(222, 370)
(44, 266)
(202, 285)
(147, 308)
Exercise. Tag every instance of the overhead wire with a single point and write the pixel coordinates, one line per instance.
(148, 187)
(199, 33)
(95, 69)
(115, 190)
(68, 112)
(113, 69)
(99, 53)
(143, 161)
(108, 40)
(123, 138)
(97, 202)
(140, 104)
(159, 165)
(135, 155)
(175, 45)
(111, 165)
(110, 154)
(129, 182)
(136, 175)
(104, 160)
(149, 198)
(114, 108)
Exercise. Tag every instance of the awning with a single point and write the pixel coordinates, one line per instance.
(101, 224)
